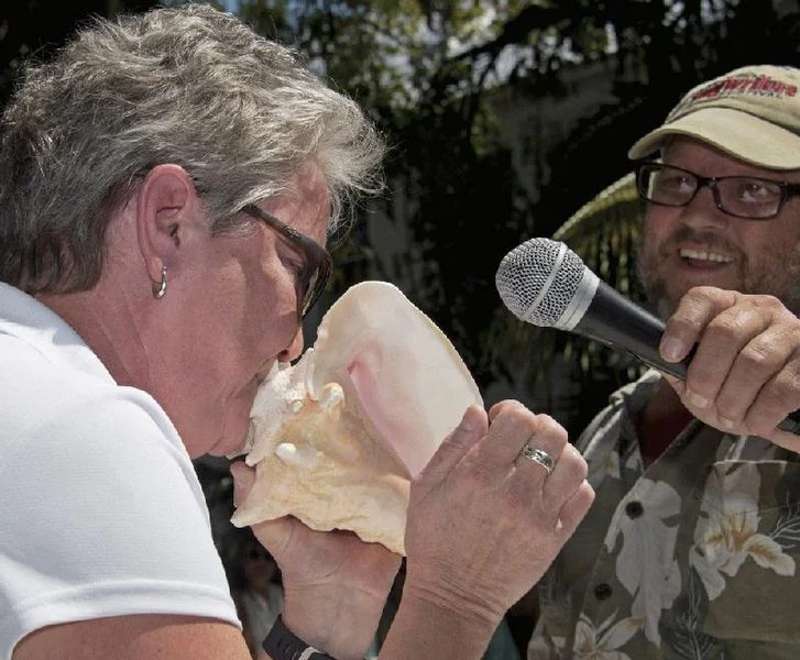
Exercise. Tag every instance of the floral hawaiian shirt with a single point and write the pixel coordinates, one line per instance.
(694, 556)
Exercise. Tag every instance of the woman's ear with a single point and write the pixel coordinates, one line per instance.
(166, 206)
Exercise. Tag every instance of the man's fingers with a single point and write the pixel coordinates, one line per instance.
(779, 396)
(724, 341)
(473, 427)
(685, 326)
(742, 377)
(755, 366)
(676, 383)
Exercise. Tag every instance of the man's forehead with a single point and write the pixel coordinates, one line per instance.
(690, 150)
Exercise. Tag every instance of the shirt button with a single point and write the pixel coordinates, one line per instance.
(602, 591)
(634, 509)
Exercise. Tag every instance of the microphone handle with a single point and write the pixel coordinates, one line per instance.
(621, 324)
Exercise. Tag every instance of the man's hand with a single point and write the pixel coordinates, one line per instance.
(744, 377)
(335, 584)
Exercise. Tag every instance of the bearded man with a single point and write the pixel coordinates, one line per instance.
(691, 549)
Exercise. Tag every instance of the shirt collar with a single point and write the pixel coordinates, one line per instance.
(24, 317)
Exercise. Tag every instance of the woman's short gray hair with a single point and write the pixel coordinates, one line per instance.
(192, 86)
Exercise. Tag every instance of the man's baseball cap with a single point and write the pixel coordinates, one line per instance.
(752, 114)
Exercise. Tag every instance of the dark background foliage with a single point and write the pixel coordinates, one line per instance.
(433, 73)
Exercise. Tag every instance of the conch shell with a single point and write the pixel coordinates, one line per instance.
(337, 437)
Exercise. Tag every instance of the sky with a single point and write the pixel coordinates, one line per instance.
(231, 5)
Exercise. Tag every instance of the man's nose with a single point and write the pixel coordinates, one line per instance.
(702, 211)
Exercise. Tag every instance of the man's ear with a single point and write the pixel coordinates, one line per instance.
(166, 206)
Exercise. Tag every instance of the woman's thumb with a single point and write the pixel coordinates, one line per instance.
(243, 478)
(471, 429)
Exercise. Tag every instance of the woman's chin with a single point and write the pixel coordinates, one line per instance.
(233, 437)
(230, 446)
(226, 432)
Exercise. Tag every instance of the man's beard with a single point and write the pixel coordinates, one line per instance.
(776, 274)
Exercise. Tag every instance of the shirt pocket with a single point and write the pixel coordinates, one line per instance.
(746, 551)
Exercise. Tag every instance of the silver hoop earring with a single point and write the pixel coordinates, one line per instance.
(160, 288)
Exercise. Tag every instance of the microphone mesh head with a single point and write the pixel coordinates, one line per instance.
(539, 280)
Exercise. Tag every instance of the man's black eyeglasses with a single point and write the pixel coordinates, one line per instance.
(317, 263)
(749, 197)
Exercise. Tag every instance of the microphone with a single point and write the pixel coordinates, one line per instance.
(546, 284)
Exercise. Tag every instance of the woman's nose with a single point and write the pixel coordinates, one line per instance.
(295, 347)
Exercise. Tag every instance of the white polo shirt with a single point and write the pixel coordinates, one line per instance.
(101, 512)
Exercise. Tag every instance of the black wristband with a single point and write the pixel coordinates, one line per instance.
(282, 644)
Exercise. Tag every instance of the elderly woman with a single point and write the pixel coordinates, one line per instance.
(168, 183)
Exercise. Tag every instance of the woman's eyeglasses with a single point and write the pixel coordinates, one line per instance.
(317, 263)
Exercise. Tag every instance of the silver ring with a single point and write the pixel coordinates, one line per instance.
(539, 456)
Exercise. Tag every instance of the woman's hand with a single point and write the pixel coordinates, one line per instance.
(335, 584)
(484, 523)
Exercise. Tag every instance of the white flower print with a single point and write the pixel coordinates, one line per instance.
(727, 533)
(601, 643)
(604, 461)
(646, 564)
(612, 464)
(634, 462)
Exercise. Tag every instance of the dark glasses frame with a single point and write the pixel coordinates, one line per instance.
(788, 190)
(317, 262)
